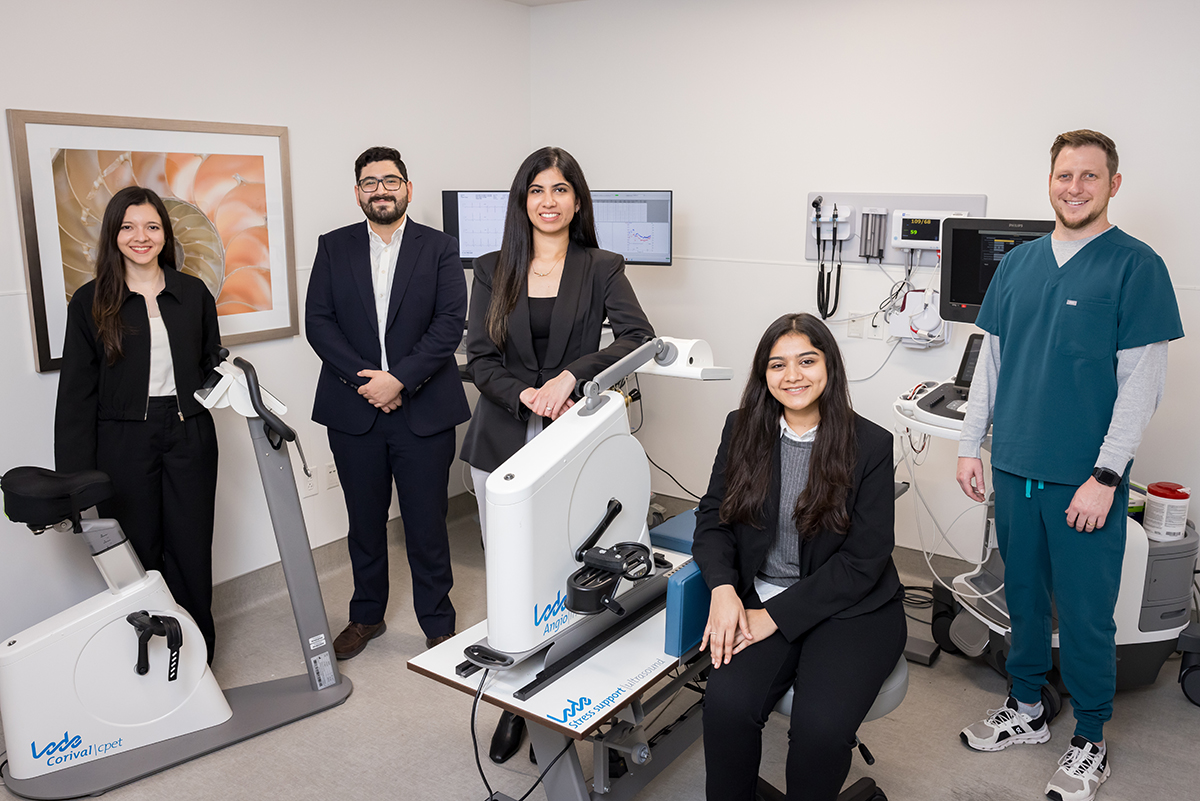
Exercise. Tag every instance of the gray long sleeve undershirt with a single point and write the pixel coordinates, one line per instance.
(1141, 380)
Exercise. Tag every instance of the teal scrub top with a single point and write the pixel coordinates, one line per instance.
(1060, 329)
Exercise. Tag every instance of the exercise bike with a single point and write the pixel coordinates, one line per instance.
(118, 687)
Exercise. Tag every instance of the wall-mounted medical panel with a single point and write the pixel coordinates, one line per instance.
(883, 228)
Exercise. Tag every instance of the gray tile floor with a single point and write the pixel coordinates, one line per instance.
(401, 736)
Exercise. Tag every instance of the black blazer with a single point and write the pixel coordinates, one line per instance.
(593, 287)
(424, 326)
(842, 576)
(90, 390)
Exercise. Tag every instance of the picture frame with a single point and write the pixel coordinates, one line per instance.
(227, 188)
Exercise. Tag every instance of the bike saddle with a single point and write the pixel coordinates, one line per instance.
(41, 498)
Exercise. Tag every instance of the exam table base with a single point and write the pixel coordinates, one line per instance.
(565, 781)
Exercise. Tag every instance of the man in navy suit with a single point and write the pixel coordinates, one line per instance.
(385, 311)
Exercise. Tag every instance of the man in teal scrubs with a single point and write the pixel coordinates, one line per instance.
(1073, 366)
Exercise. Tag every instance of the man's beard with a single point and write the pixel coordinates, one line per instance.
(382, 215)
(1081, 224)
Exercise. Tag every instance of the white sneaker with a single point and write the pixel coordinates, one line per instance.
(1080, 772)
(1004, 727)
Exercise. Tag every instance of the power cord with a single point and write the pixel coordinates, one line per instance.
(542, 775)
(918, 597)
(475, 743)
(474, 735)
(895, 345)
(668, 475)
(636, 397)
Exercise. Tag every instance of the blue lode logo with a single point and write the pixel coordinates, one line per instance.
(573, 709)
(550, 612)
(65, 744)
(70, 749)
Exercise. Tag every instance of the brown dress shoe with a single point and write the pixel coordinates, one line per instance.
(432, 641)
(354, 639)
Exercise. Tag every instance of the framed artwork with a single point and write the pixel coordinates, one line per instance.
(227, 189)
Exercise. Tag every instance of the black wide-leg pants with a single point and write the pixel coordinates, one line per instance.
(164, 473)
(836, 668)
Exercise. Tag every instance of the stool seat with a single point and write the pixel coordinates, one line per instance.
(41, 498)
(890, 694)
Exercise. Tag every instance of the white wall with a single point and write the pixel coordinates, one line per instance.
(740, 107)
(744, 107)
(446, 83)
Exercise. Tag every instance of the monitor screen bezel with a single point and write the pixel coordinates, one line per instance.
(954, 309)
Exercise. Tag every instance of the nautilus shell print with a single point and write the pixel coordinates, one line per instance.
(218, 209)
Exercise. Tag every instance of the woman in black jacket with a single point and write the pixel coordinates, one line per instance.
(533, 333)
(794, 537)
(140, 339)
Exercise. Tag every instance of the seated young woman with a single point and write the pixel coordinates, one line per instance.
(794, 537)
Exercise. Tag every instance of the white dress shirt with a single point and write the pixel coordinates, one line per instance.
(383, 270)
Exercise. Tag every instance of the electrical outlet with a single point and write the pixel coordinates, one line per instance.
(331, 476)
(308, 486)
(876, 328)
(857, 321)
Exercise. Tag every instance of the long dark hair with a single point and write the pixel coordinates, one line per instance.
(822, 504)
(110, 265)
(516, 248)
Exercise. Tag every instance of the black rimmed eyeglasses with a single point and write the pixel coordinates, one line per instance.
(390, 183)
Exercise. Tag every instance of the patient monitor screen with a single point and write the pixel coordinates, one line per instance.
(972, 249)
(480, 222)
(635, 224)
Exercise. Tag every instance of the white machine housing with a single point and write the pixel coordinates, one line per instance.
(66, 702)
(543, 502)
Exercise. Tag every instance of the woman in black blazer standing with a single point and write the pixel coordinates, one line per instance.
(794, 537)
(533, 333)
(141, 338)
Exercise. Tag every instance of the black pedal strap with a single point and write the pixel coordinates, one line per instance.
(174, 633)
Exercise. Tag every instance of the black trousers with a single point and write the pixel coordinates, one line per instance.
(367, 464)
(836, 669)
(164, 473)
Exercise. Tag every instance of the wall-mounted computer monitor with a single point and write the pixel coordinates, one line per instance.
(972, 248)
(635, 224)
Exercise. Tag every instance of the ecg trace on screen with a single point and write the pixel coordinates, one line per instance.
(480, 222)
(637, 224)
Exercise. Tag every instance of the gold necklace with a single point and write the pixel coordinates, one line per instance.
(548, 272)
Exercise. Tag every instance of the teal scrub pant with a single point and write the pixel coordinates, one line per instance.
(1043, 556)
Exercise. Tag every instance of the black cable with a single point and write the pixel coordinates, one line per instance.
(542, 775)
(475, 743)
(636, 395)
(685, 489)
(475, 738)
(665, 730)
(918, 597)
(674, 674)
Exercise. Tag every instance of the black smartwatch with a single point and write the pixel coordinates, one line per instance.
(1109, 478)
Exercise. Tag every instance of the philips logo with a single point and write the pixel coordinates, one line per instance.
(69, 749)
(553, 617)
(573, 708)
